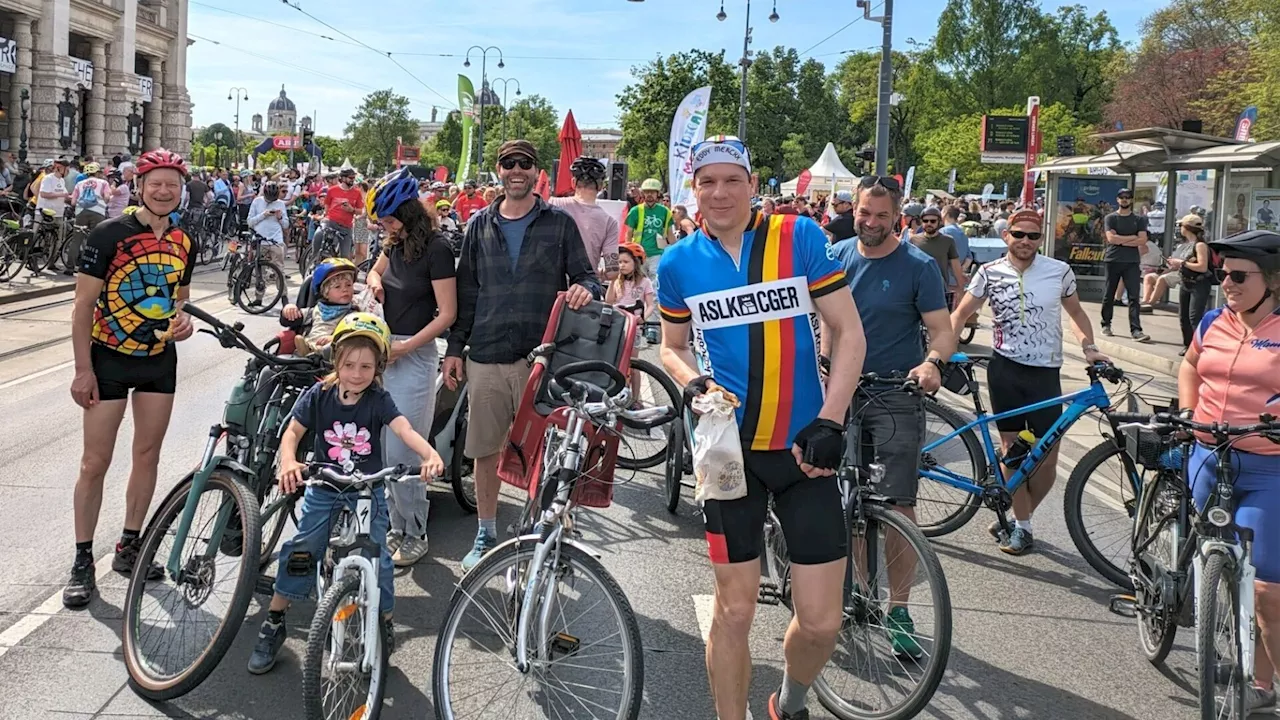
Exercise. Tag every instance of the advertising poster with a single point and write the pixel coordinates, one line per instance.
(1265, 212)
(1239, 201)
(1083, 201)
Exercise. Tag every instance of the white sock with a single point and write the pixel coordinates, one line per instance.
(1024, 524)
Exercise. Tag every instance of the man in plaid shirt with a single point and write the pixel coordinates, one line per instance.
(517, 254)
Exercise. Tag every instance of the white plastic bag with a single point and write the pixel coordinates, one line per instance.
(365, 301)
(717, 451)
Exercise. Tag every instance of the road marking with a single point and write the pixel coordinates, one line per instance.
(41, 373)
(52, 605)
(704, 607)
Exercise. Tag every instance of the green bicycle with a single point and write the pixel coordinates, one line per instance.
(215, 533)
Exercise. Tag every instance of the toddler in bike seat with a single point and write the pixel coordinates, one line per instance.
(335, 294)
(345, 414)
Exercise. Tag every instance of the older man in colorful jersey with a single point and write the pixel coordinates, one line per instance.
(751, 288)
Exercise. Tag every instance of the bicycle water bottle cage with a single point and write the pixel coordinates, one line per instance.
(300, 564)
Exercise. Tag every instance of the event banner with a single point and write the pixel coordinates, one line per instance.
(688, 128)
(466, 103)
(1083, 202)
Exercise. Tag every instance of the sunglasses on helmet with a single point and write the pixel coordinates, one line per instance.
(509, 163)
(887, 182)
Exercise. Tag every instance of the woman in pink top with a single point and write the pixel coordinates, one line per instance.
(1231, 374)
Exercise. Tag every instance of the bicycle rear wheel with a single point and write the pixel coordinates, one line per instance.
(1156, 531)
(643, 449)
(1222, 686)
(176, 632)
(1099, 505)
(673, 477)
(594, 658)
(462, 469)
(940, 508)
(894, 644)
(333, 682)
(259, 287)
(10, 255)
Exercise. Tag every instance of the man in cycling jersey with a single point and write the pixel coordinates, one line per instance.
(750, 289)
(1028, 292)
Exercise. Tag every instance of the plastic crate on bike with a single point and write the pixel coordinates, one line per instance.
(594, 332)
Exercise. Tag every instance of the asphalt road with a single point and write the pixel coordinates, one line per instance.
(1032, 635)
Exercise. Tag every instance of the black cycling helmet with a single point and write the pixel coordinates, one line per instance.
(588, 169)
(913, 210)
(1260, 246)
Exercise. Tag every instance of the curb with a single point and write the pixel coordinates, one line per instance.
(1134, 356)
(37, 293)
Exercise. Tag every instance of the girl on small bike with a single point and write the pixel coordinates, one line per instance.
(345, 414)
(1229, 376)
(630, 288)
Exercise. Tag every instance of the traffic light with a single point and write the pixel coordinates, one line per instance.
(307, 135)
(1066, 145)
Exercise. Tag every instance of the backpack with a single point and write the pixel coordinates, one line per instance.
(1215, 264)
(88, 196)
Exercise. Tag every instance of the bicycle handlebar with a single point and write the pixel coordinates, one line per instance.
(891, 382)
(1168, 422)
(326, 475)
(230, 336)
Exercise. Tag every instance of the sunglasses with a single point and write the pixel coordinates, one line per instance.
(509, 163)
(1237, 276)
(1020, 235)
(888, 183)
(931, 221)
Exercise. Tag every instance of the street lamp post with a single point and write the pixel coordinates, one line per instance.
(24, 97)
(238, 92)
(484, 83)
(745, 62)
(505, 109)
(217, 149)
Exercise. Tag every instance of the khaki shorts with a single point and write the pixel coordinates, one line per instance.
(273, 252)
(493, 393)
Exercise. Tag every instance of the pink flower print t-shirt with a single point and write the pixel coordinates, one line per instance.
(347, 432)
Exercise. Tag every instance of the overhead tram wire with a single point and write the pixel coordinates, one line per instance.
(370, 47)
(837, 32)
(265, 21)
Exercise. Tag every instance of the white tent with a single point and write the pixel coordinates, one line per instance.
(828, 174)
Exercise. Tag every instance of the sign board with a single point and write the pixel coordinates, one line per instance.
(84, 72)
(1004, 133)
(145, 85)
(408, 155)
(8, 55)
(1004, 158)
(286, 142)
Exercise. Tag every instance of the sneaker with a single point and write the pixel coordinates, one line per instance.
(1146, 309)
(484, 543)
(127, 557)
(776, 714)
(1258, 700)
(411, 550)
(394, 540)
(902, 630)
(83, 584)
(1140, 336)
(994, 530)
(1106, 330)
(270, 640)
(1019, 542)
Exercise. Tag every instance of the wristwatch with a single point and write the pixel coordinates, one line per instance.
(936, 362)
(1090, 347)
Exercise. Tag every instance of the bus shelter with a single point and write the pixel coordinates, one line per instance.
(1237, 183)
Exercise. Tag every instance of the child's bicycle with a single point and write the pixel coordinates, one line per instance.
(344, 671)
(212, 537)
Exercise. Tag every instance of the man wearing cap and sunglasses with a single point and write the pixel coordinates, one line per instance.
(517, 255)
(1126, 235)
(749, 289)
(1028, 292)
(841, 226)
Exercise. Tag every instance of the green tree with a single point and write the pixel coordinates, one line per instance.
(533, 118)
(648, 105)
(771, 110)
(380, 121)
(1083, 53)
(332, 149)
(989, 48)
(446, 147)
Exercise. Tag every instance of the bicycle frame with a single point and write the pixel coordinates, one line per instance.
(1081, 402)
(363, 515)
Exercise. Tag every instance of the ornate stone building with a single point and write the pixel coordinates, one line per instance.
(281, 114)
(101, 76)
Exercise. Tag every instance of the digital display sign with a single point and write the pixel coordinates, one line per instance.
(1004, 133)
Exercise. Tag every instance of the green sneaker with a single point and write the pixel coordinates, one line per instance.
(902, 631)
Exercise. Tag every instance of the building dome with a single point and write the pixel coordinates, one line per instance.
(282, 103)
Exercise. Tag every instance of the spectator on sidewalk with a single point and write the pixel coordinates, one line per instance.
(1125, 234)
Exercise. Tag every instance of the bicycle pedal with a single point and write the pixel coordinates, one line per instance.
(1124, 605)
(565, 644)
(265, 585)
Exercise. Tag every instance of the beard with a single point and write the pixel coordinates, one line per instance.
(869, 237)
(518, 192)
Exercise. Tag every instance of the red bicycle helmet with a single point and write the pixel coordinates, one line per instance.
(160, 158)
(634, 250)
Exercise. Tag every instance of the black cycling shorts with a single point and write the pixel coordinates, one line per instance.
(119, 373)
(1012, 385)
(809, 510)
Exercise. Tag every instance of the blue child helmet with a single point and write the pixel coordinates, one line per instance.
(326, 269)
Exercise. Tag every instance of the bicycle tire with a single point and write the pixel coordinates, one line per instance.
(967, 506)
(11, 246)
(245, 284)
(71, 248)
(510, 556)
(1157, 627)
(460, 466)
(40, 253)
(1216, 566)
(674, 396)
(674, 476)
(1073, 513)
(313, 690)
(928, 563)
(141, 679)
(303, 258)
(273, 527)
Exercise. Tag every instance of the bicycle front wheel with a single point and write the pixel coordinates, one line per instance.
(895, 640)
(673, 477)
(643, 449)
(462, 469)
(1222, 685)
(593, 661)
(1099, 505)
(334, 681)
(940, 508)
(259, 287)
(1155, 531)
(176, 631)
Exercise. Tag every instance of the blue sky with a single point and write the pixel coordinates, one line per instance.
(236, 46)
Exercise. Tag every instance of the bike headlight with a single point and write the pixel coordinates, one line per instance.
(1218, 517)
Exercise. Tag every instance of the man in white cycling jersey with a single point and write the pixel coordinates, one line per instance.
(1028, 292)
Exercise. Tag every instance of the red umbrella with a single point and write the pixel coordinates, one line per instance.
(543, 186)
(570, 148)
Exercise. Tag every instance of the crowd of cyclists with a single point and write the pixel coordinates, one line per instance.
(754, 296)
